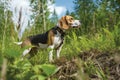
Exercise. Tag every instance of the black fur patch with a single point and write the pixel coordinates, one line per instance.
(40, 38)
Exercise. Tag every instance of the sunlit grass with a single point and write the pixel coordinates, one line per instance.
(74, 44)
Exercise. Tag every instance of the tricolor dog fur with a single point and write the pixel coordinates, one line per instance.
(53, 38)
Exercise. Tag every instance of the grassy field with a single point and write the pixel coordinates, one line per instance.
(75, 46)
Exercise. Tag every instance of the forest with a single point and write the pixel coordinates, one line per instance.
(91, 52)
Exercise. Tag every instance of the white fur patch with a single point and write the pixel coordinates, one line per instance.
(57, 39)
(26, 51)
(76, 23)
(43, 45)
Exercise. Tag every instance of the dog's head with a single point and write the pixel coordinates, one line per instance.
(67, 22)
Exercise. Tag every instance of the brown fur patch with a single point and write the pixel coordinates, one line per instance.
(63, 23)
(26, 43)
(50, 38)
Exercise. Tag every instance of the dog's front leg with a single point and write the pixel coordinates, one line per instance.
(51, 53)
(58, 51)
(51, 56)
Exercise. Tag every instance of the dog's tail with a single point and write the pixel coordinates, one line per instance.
(18, 43)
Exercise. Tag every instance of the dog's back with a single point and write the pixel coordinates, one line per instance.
(40, 38)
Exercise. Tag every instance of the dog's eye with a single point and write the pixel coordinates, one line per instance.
(71, 18)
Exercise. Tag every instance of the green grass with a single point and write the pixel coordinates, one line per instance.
(73, 45)
(102, 41)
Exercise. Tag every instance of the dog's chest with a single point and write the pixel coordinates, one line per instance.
(57, 39)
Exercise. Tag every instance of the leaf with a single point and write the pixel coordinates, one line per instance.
(74, 36)
(12, 52)
(41, 77)
(36, 68)
(38, 77)
(48, 69)
(109, 34)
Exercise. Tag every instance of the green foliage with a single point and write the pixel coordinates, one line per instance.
(100, 30)
(25, 70)
(1, 59)
(95, 14)
(54, 18)
(103, 41)
(48, 69)
(38, 77)
(116, 35)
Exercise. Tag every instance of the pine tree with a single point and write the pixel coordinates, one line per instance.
(54, 18)
(41, 14)
(84, 11)
(67, 12)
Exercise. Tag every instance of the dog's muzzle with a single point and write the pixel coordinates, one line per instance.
(76, 24)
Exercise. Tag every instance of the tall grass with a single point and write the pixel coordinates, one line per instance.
(104, 40)
(73, 45)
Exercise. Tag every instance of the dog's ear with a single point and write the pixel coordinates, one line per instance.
(63, 23)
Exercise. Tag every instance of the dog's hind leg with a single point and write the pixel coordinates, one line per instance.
(33, 51)
(25, 52)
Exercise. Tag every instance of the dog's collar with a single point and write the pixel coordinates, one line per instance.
(57, 28)
(60, 30)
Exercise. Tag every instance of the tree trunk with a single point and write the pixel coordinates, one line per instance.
(43, 14)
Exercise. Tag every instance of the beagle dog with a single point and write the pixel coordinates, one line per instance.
(53, 38)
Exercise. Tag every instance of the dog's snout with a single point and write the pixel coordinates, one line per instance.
(80, 22)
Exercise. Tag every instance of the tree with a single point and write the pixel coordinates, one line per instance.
(67, 12)
(1, 18)
(96, 14)
(84, 11)
(41, 14)
(54, 18)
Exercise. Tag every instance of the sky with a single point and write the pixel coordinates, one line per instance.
(68, 4)
(63, 5)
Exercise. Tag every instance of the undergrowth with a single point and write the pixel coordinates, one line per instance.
(103, 41)
(38, 67)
